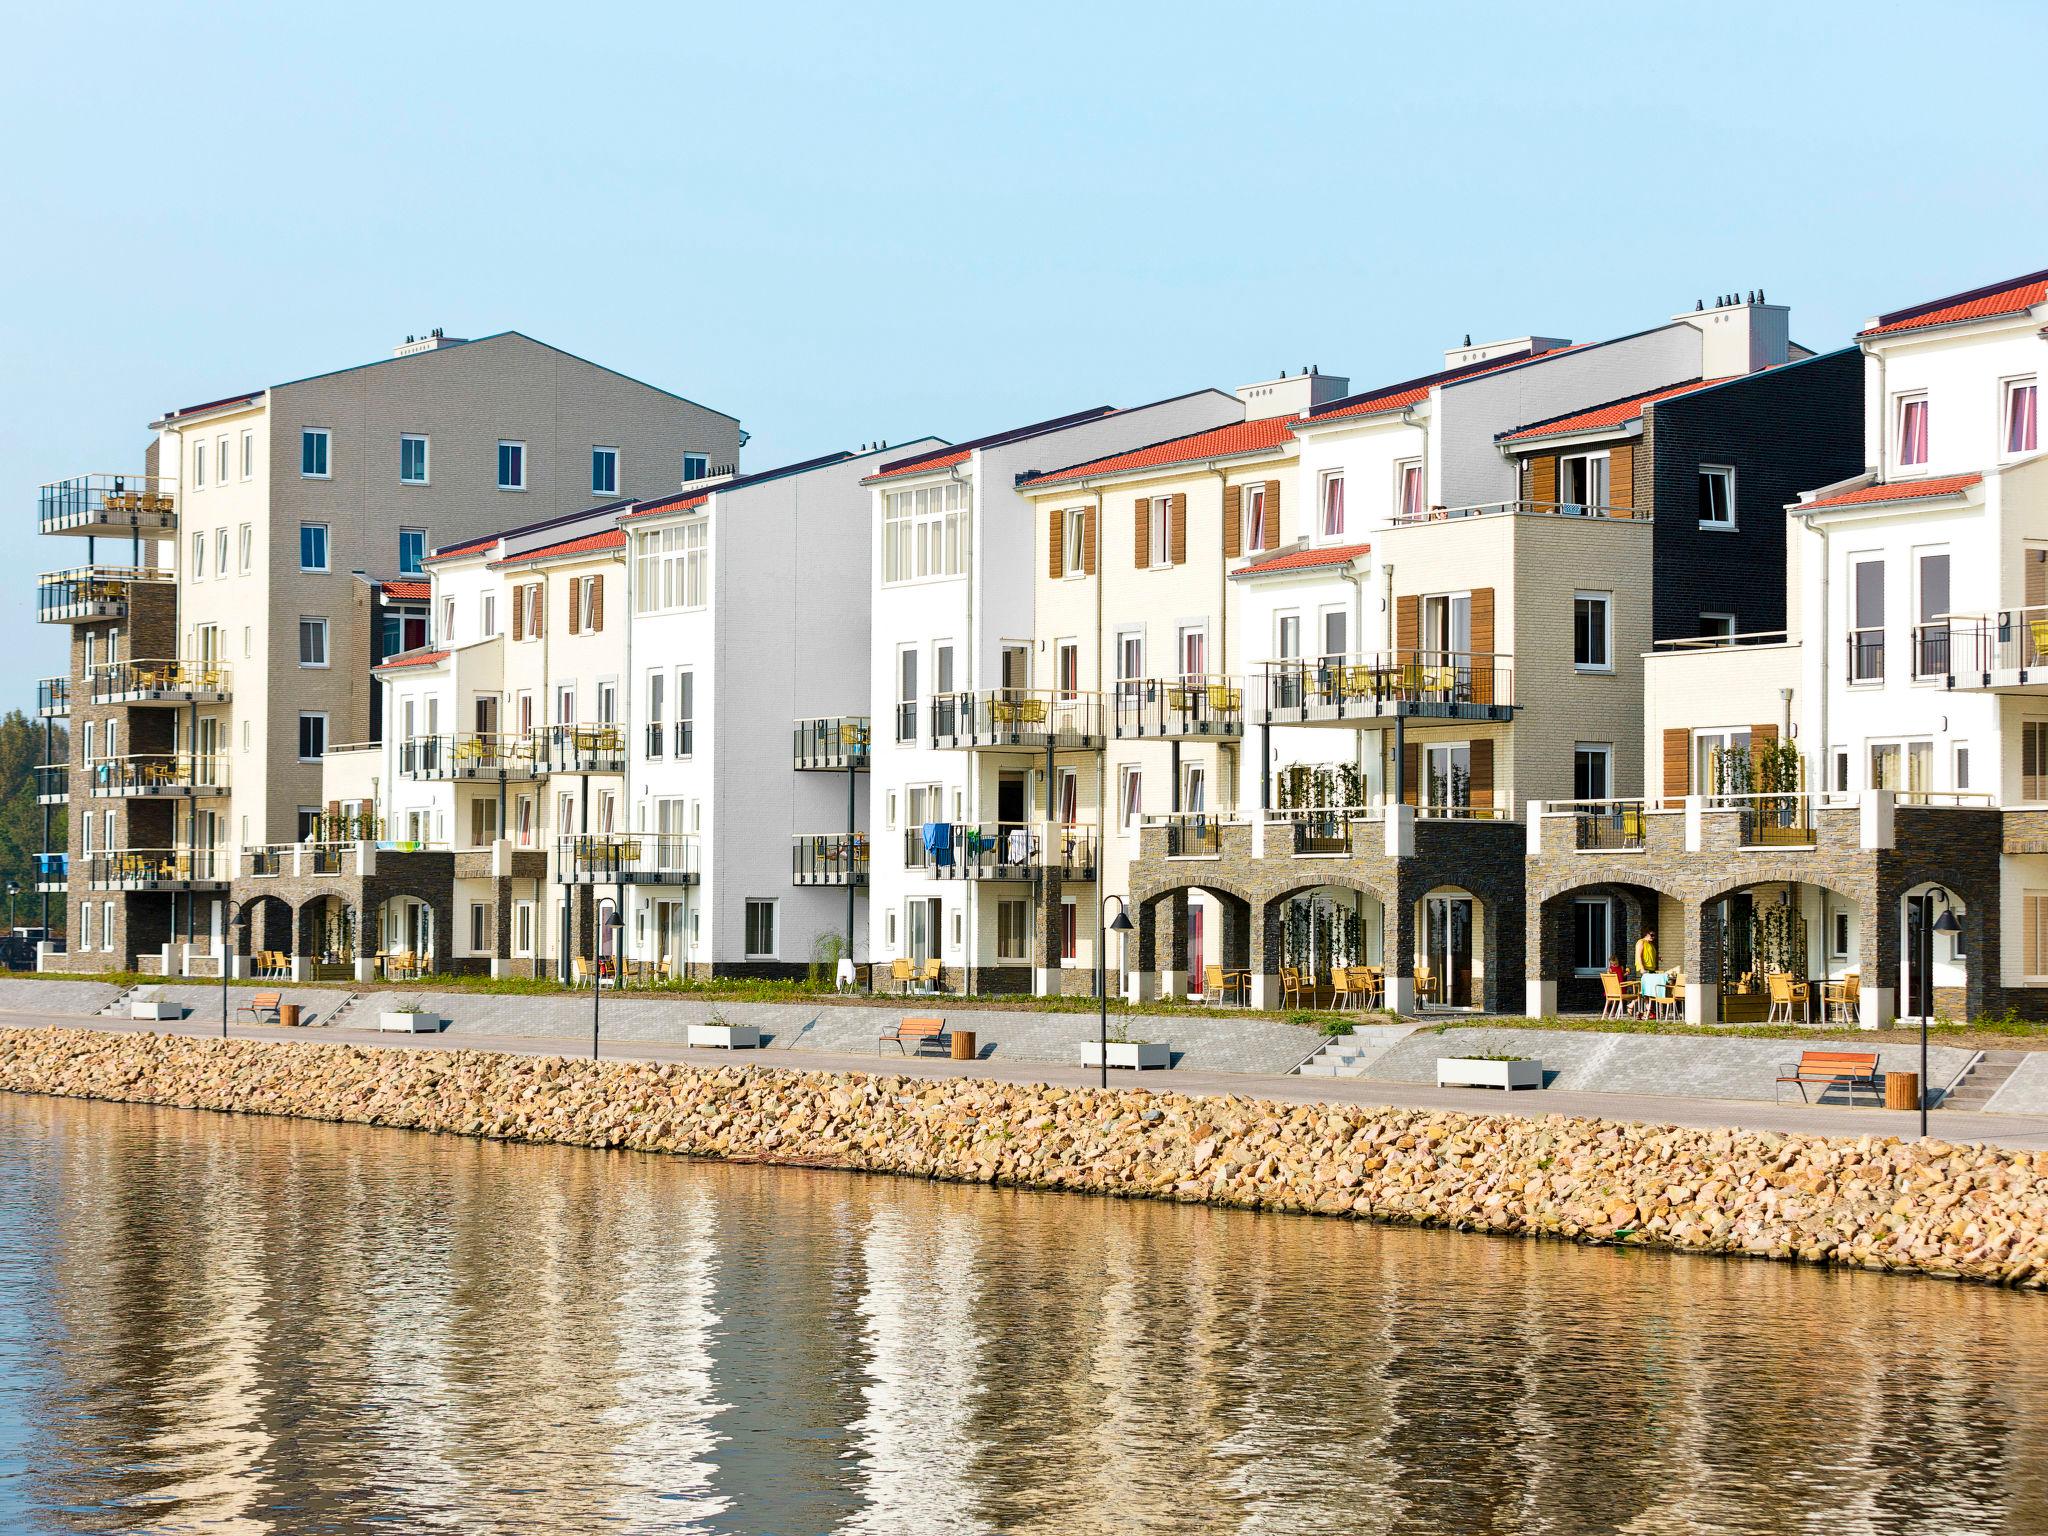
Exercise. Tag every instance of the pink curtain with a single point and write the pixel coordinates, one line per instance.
(2021, 433)
(1333, 506)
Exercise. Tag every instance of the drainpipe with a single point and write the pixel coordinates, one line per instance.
(1223, 630)
(1387, 630)
(1357, 580)
(965, 659)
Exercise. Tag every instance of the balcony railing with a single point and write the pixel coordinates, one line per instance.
(1866, 655)
(160, 682)
(1597, 511)
(156, 869)
(1177, 708)
(1318, 830)
(53, 698)
(831, 742)
(1017, 717)
(107, 505)
(1932, 649)
(469, 755)
(1422, 683)
(1772, 820)
(595, 748)
(1602, 826)
(1192, 834)
(90, 592)
(1002, 850)
(53, 783)
(828, 858)
(267, 860)
(2002, 647)
(53, 871)
(158, 775)
(627, 858)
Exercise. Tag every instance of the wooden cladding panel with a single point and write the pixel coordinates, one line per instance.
(1677, 764)
(1481, 785)
(1056, 551)
(1482, 648)
(1233, 521)
(1177, 525)
(1141, 515)
(1272, 529)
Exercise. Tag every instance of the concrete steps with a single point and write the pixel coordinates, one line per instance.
(1973, 1090)
(341, 1012)
(1352, 1054)
(118, 1008)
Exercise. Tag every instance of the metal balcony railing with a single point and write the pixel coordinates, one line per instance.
(594, 748)
(53, 871)
(1931, 650)
(1003, 850)
(107, 505)
(165, 775)
(1423, 683)
(155, 869)
(1017, 718)
(1191, 834)
(831, 742)
(2013, 641)
(1866, 655)
(53, 783)
(828, 858)
(85, 593)
(1772, 820)
(1177, 708)
(53, 698)
(627, 858)
(204, 681)
(1318, 830)
(1596, 511)
(469, 755)
(1603, 826)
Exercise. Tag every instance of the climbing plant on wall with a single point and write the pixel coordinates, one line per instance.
(1316, 786)
(1319, 934)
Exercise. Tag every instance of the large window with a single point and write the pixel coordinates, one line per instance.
(511, 466)
(312, 737)
(2022, 424)
(673, 569)
(1912, 429)
(1717, 496)
(312, 546)
(1013, 930)
(1930, 631)
(1582, 482)
(760, 928)
(313, 449)
(412, 459)
(925, 532)
(2033, 759)
(1592, 934)
(604, 471)
(312, 642)
(412, 551)
(1592, 770)
(1866, 620)
(1592, 632)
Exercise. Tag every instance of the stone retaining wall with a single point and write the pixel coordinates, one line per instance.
(1962, 1212)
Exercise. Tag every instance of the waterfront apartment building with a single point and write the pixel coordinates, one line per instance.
(275, 546)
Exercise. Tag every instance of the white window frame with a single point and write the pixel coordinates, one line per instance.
(314, 624)
(503, 483)
(248, 453)
(2008, 390)
(220, 459)
(425, 548)
(1589, 458)
(1410, 505)
(199, 464)
(753, 903)
(925, 532)
(1020, 951)
(326, 548)
(246, 541)
(595, 488)
(1329, 481)
(1130, 798)
(199, 555)
(299, 744)
(702, 461)
(1073, 542)
(1606, 903)
(1159, 531)
(220, 552)
(425, 476)
(1254, 512)
(1606, 601)
(1959, 765)
(1723, 625)
(1900, 404)
(1603, 750)
(672, 571)
(1726, 473)
(307, 436)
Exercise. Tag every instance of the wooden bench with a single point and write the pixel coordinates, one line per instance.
(916, 1033)
(1848, 1069)
(262, 1003)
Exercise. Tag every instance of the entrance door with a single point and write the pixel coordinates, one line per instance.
(1447, 945)
(921, 923)
(1196, 977)
(487, 714)
(1010, 800)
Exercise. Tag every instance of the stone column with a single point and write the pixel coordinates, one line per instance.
(1268, 948)
(1401, 939)
(1173, 969)
(1045, 947)
(1702, 965)
(1144, 983)
(1543, 957)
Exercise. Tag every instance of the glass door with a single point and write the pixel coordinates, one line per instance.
(1447, 946)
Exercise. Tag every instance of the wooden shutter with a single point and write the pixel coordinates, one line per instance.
(540, 607)
(519, 613)
(575, 605)
(1233, 521)
(1762, 738)
(1177, 528)
(1677, 764)
(1272, 539)
(1407, 626)
(596, 601)
(1621, 475)
(1088, 540)
(1411, 772)
(1482, 650)
(1141, 548)
(1543, 477)
(1056, 543)
(2037, 577)
(1480, 787)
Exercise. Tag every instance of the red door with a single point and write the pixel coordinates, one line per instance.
(1195, 976)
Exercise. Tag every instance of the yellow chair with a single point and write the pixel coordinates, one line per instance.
(1370, 983)
(1032, 712)
(1341, 990)
(901, 973)
(1786, 995)
(1290, 987)
(929, 975)
(1617, 996)
(2037, 631)
(1225, 701)
(1427, 986)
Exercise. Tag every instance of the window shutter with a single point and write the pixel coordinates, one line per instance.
(575, 605)
(1677, 764)
(1177, 527)
(1480, 787)
(1543, 478)
(1233, 521)
(1411, 772)
(1088, 540)
(596, 602)
(1762, 738)
(1055, 563)
(1272, 515)
(1482, 648)
(519, 613)
(540, 607)
(1621, 475)
(1141, 550)
(1407, 626)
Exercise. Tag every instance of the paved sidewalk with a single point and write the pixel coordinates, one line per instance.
(2024, 1132)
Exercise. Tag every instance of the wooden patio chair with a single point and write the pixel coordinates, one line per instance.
(1786, 994)
(1617, 997)
(1290, 987)
(1370, 982)
(1341, 990)
(928, 974)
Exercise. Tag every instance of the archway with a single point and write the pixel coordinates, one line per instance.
(1934, 967)
(1575, 933)
(1777, 946)
(1310, 932)
(1193, 939)
(405, 934)
(327, 937)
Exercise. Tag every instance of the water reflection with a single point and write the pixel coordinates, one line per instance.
(218, 1324)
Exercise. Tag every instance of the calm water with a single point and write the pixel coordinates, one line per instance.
(210, 1324)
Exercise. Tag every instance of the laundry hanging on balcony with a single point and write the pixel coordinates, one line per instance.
(938, 843)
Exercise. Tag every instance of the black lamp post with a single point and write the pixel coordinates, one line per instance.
(237, 911)
(13, 890)
(1946, 923)
(1122, 924)
(607, 929)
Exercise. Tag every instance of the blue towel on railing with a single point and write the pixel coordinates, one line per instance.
(938, 843)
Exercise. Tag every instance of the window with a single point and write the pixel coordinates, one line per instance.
(1013, 930)
(248, 453)
(511, 466)
(1930, 633)
(1130, 657)
(673, 567)
(522, 928)
(656, 718)
(85, 923)
(925, 532)
(1067, 666)
(1962, 765)
(247, 543)
(412, 551)
(1717, 496)
(1592, 934)
(199, 466)
(312, 642)
(1717, 626)
(1194, 651)
(312, 546)
(1067, 796)
(220, 460)
(1408, 489)
(1592, 632)
(686, 712)
(312, 737)
(1912, 429)
(2022, 424)
(1070, 931)
(412, 459)
(2033, 760)
(1592, 770)
(1841, 770)
(1902, 766)
(1158, 512)
(490, 615)
(760, 928)
(1582, 482)
(1074, 531)
(906, 693)
(1332, 627)
(1710, 749)
(604, 471)
(696, 466)
(1253, 501)
(313, 444)
(220, 551)
(447, 620)
(1331, 499)
(583, 594)
(1130, 798)
(1838, 935)
(199, 557)
(1866, 620)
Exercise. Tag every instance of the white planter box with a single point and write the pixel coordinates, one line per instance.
(731, 1037)
(410, 1023)
(154, 1008)
(1468, 1072)
(1136, 1054)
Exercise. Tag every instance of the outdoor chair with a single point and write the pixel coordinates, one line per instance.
(1787, 994)
(900, 973)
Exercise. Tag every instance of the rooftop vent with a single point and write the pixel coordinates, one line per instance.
(433, 341)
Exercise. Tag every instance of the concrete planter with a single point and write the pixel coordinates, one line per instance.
(1135, 1054)
(154, 1008)
(1471, 1072)
(411, 1023)
(731, 1037)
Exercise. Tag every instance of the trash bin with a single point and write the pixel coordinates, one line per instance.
(963, 1045)
(1902, 1090)
(288, 1015)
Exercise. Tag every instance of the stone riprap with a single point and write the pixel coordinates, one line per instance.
(1927, 1207)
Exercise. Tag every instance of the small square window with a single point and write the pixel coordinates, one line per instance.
(604, 471)
(696, 466)
(312, 546)
(412, 551)
(511, 466)
(412, 459)
(313, 453)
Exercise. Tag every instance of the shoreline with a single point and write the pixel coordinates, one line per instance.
(1933, 1208)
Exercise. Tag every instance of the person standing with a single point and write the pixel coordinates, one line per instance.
(1646, 952)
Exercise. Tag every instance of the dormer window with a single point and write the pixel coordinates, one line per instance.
(2022, 424)
(1912, 429)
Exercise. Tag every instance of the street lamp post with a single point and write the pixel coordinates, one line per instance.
(236, 911)
(13, 890)
(1946, 923)
(1122, 924)
(607, 929)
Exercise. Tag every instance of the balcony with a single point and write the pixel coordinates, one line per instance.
(1357, 690)
(108, 506)
(53, 698)
(157, 869)
(831, 743)
(158, 776)
(1002, 851)
(2006, 651)
(469, 755)
(640, 858)
(263, 861)
(1866, 655)
(1178, 709)
(1319, 831)
(53, 783)
(1603, 826)
(1589, 511)
(1193, 834)
(1011, 719)
(53, 872)
(160, 682)
(92, 592)
(598, 748)
(828, 858)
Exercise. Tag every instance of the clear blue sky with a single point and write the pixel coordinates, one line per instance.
(842, 223)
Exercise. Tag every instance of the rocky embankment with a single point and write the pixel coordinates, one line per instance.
(1925, 1207)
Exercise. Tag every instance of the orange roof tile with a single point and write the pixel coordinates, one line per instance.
(1900, 490)
(1218, 442)
(1305, 559)
(1398, 397)
(944, 459)
(473, 547)
(680, 503)
(1616, 413)
(2009, 298)
(586, 544)
(411, 659)
(408, 591)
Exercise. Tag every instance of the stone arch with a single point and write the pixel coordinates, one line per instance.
(1269, 943)
(328, 928)
(1160, 918)
(1705, 939)
(1548, 920)
(266, 922)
